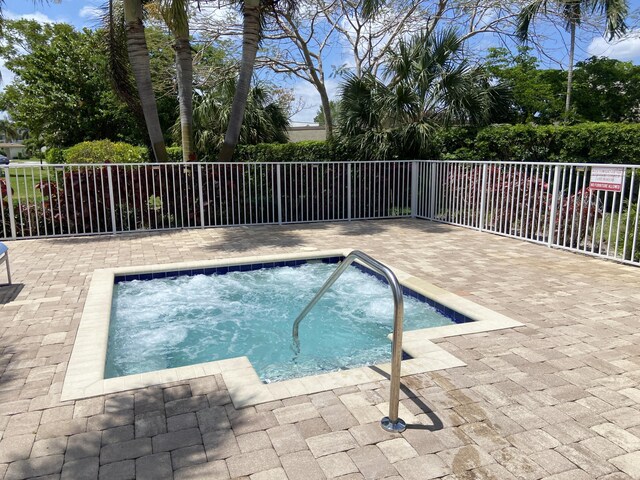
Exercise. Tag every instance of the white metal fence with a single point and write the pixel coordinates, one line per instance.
(553, 204)
(549, 203)
(55, 200)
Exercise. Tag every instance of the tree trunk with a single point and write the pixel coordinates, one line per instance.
(139, 59)
(250, 38)
(326, 109)
(184, 69)
(572, 48)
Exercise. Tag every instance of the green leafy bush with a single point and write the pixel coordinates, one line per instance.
(174, 154)
(54, 155)
(105, 151)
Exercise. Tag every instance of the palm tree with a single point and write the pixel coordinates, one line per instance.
(429, 84)
(265, 121)
(118, 69)
(251, 28)
(253, 11)
(9, 130)
(175, 15)
(139, 60)
(571, 12)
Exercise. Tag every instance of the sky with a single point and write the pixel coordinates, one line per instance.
(82, 13)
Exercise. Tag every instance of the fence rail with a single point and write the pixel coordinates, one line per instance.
(548, 203)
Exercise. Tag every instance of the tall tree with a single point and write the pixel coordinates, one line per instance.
(572, 12)
(175, 15)
(607, 90)
(60, 92)
(140, 65)
(301, 44)
(537, 95)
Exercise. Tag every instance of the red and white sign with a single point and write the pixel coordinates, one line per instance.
(606, 178)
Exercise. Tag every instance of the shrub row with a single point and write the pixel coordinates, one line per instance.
(614, 143)
(584, 143)
(309, 151)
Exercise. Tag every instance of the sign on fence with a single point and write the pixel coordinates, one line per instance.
(606, 178)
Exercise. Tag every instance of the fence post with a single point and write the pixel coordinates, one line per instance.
(279, 193)
(201, 196)
(433, 178)
(414, 189)
(483, 197)
(112, 203)
(12, 218)
(349, 191)
(554, 207)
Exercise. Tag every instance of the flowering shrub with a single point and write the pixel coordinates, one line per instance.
(576, 218)
(518, 201)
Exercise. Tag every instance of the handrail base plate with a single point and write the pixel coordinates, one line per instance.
(398, 426)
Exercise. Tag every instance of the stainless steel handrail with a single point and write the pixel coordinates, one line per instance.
(391, 423)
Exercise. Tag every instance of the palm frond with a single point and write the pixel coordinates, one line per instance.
(615, 13)
(526, 16)
(118, 68)
(175, 15)
(430, 83)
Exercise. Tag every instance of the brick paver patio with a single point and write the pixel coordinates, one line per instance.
(558, 398)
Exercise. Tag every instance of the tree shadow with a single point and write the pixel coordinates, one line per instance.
(357, 228)
(252, 237)
(436, 422)
(366, 227)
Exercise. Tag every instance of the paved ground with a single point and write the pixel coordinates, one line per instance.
(558, 398)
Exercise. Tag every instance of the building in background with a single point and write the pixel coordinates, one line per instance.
(307, 132)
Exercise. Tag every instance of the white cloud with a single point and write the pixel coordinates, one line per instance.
(90, 12)
(37, 16)
(7, 75)
(487, 17)
(626, 48)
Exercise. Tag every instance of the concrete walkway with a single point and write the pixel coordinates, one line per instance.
(558, 398)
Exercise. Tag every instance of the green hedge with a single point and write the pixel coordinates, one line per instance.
(54, 155)
(310, 151)
(614, 143)
(105, 151)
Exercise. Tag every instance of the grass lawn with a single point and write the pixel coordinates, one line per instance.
(23, 181)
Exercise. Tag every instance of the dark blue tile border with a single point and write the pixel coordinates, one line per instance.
(221, 270)
(456, 317)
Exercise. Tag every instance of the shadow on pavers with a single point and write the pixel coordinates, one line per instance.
(437, 423)
(250, 238)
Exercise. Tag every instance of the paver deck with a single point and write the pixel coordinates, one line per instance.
(558, 398)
